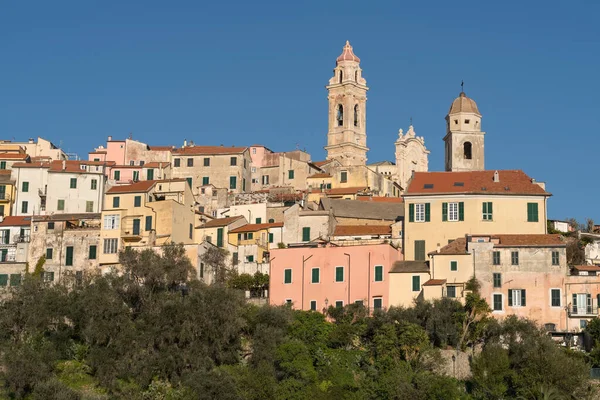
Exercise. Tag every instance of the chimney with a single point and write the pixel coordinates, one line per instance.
(64, 165)
(496, 177)
(110, 138)
(31, 140)
(184, 142)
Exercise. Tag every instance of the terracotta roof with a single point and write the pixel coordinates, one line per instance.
(142, 186)
(13, 156)
(434, 282)
(66, 217)
(589, 268)
(510, 182)
(98, 152)
(321, 163)
(207, 150)
(221, 222)
(360, 230)
(380, 199)
(72, 166)
(410, 266)
(126, 166)
(529, 240)
(256, 227)
(463, 104)
(31, 165)
(157, 164)
(5, 172)
(340, 191)
(362, 209)
(161, 148)
(456, 247)
(320, 175)
(23, 220)
(347, 54)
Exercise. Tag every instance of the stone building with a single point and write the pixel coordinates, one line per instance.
(411, 156)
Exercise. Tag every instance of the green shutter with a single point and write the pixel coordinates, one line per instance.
(137, 201)
(306, 234)
(232, 182)
(444, 211)
(287, 276)
(339, 274)
(291, 174)
(453, 265)
(149, 223)
(532, 212)
(69, 257)
(258, 220)
(117, 175)
(461, 211)
(15, 279)
(92, 253)
(510, 300)
(3, 279)
(427, 212)
(136, 226)
(116, 202)
(25, 187)
(220, 237)
(205, 180)
(378, 273)
(315, 275)
(49, 254)
(150, 174)
(523, 303)
(420, 250)
(271, 238)
(411, 213)
(416, 283)
(73, 184)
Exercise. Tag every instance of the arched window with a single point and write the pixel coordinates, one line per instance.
(356, 115)
(341, 76)
(340, 115)
(355, 76)
(467, 150)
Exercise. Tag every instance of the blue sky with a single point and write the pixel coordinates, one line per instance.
(240, 72)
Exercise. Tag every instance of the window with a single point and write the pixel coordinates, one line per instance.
(377, 303)
(110, 246)
(92, 252)
(253, 169)
(131, 162)
(60, 206)
(5, 236)
(148, 226)
(467, 148)
(340, 114)
(233, 161)
(497, 277)
(453, 211)
(137, 201)
(451, 291)
(416, 283)
(25, 206)
(420, 250)
(111, 221)
(15, 279)
(532, 212)
(149, 174)
(453, 265)
(142, 162)
(136, 176)
(117, 175)
(206, 162)
(343, 176)
(2, 164)
(73, 183)
(339, 304)
(3, 280)
(313, 303)
(116, 201)
(254, 150)
(356, 115)
(378, 273)
(69, 256)
(232, 182)
(205, 180)
(582, 324)
(306, 234)
(189, 182)
(486, 212)
(288, 302)
(48, 276)
(497, 302)
(271, 238)
(89, 206)
(315, 275)
(287, 276)
(258, 220)
(265, 179)
(496, 258)
(514, 257)
(94, 184)
(516, 298)
(339, 274)
(136, 226)
(190, 162)
(291, 174)
(50, 226)
(555, 258)
(49, 252)
(420, 212)
(25, 187)
(555, 297)
(191, 231)
(271, 220)
(177, 162)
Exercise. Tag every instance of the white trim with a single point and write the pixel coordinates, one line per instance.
(289, 301)
(310, 305)
(335, 274)
(502, 296)
(336, 301)
(311, 275)
(419, 213)
(291, 276)
(559, 297)
(451, 212)
(379, 298)
(520, 291)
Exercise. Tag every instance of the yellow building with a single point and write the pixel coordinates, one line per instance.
(442, 206)
(7, 193)
(253, 241)
(216, 231)
(146, 213)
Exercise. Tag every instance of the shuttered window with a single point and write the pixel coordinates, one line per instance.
(315, 275)
(497, 279)
(486, 212)
(516, 298)
(287, 276)
(420, 250)
(453, 265)
(555, 297)
(306, 234)
(69, 256)
(92, 252)
(339, 274)
(378, 273)
(532, 212)
(496, 258)
(416, 283)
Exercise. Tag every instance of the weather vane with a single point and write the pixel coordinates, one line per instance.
(462, 86)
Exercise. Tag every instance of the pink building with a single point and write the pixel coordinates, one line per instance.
(313, 277)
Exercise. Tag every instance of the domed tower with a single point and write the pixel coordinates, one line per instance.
(464, 138)
(347, 137)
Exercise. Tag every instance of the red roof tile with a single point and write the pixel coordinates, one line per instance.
(348, 54)
(360, 230)
(320, 175)
(256, 227)
(589, 268)
(510, 182)
(221, 222)
(161, 148)
(208, 150)
(157, 164)
(13, 156)
(23, 220)
(380, 199)
(456, 247)
(321, 163)
(142, 186)
(528, 240)
(434, 282)
(340, 191)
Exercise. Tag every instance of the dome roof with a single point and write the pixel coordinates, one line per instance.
(463, 104)
(347, 54)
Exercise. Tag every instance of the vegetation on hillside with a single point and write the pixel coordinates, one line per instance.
(153, 332)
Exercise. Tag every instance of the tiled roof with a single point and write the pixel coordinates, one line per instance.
(529, 240)
(72, 166)
(157, 164)
(98, 152)
(434, 282)
(589, 268)
(363, 209)
(66, 217)
(463, 104)
(31, 165)
(142, 186)
(510, 182)
(23, 220)
(410, 266)
(456, 247)
(321, 163)
(13, 156)
(256, 227)
(320, 175)
(348, 54)
(221, 222)
(126, 166)
(360, 230)
(207, 150)
(161, 148)
(380, 199)
(340, 191)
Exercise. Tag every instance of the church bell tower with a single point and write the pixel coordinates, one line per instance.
(347, 135)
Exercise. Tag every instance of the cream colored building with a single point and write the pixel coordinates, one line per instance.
(144, 214)
(441, 206)
(42, 148)
(405, 280)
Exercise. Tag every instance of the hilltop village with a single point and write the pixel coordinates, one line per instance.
(326, 232)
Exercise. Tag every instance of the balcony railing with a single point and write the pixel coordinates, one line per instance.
(585, 311)
(21, 239)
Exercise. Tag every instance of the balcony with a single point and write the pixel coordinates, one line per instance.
(42, 193)
(582, 311)
(21, 238)
(5, 197)
(131, 229)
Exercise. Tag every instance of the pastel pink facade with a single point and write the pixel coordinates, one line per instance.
(359, 283)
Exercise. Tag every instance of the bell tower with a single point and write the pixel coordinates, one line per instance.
(347, 135)
(464, 139)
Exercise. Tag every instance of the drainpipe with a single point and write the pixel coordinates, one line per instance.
(369, 286)
(304, 260)
(348, 255)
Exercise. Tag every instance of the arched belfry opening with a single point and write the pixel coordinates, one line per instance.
(468, 150)
(356, 115)
(340, 115)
